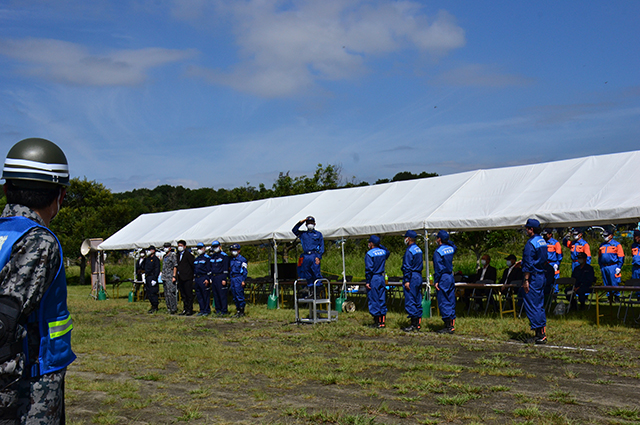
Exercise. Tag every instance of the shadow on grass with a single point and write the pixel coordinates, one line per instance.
(520, 336)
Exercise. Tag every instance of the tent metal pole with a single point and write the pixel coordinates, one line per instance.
(275, 271)
(344, 269)
(426, 254)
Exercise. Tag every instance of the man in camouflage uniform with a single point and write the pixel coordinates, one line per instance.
(35, 337)
(169, 262)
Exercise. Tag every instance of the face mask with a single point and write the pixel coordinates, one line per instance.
(406, 241)
(576, 237)
(311, 226)
(234, 253)
(509, 263)
(149, 253)
(180, 248)
(167, 249)
(483, 262)
(201, 251)
(58, 205)
(216, 249)
(142, 254)
(607, 238)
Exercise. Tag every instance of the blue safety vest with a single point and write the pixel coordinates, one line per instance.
(52, 317)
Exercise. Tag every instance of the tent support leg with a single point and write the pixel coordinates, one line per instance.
(426, 254)
(275, 272)
(344, 269)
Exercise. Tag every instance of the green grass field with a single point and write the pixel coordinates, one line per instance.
(135, 368)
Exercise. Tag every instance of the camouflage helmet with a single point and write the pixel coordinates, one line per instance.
(36, 163)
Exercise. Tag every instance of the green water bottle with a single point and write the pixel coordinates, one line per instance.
(130, 296)
(102, 295)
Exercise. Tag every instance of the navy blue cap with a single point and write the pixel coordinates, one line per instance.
(636, 232)
(151, 247)
(235, 246)
(411, 234)
(200, 245)
(310, 219)
(546, 232)
(215, 243)
(532, 222)
(607, 232)
(444, 235)
(577, 231)
(374, 239)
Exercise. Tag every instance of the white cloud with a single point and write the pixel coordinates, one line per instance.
(72, 63)
(286, 47)
(480, 75)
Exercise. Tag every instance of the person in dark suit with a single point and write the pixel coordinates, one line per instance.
(513, 272)
(486, 270)
(151, 273)
(183, 273)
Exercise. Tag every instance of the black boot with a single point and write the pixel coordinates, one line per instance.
(448, 327)
(375, 322)
(382, 322)
(413, 327)
(239, 312)
(541, 336)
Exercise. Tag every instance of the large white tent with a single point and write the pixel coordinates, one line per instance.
(584, 191)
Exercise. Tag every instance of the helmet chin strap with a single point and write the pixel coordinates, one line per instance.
(59, 201)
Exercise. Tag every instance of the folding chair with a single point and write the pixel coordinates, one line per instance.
(629, 301)
(567, 281)
(482, 295)
(509, 295)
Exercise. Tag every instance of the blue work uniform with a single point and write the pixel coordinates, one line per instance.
(554, 258)
(443, 276)
(576, 248)
(219, 273)
(202, 272)
(374, 262)
(635, 261)
(238, 274)
(313, 247)
(534, 262)
(611, 259)
(412, 273)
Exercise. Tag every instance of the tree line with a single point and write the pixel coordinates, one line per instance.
(91, 210)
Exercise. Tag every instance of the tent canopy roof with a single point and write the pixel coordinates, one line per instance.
(583, 191)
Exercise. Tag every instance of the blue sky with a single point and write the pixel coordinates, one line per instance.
(217, 93)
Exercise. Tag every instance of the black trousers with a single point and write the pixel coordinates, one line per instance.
(152, 292)
(186, 292)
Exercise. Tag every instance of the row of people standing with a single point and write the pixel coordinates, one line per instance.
(309, 261)
(534, 266)
(209, 273)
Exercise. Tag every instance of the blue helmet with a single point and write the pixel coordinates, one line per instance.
(215, 243)
(443, 235)
(533, 223)
(411, 234)
(235, 246)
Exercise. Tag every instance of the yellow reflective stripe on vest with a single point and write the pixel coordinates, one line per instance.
(59, 328)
